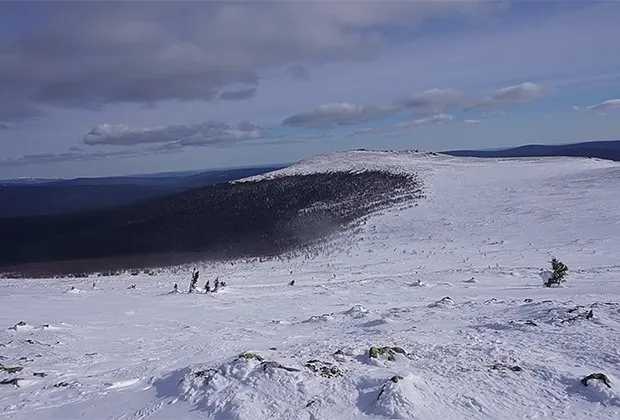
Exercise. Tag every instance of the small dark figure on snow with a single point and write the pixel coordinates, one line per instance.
(94, 285)
(292, 283)
(216, 285)
(207, 287)
(176, 287)
(133, 286)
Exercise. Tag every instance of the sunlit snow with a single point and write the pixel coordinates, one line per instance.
(454, 281)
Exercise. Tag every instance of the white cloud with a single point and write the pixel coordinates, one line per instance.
(516, 94)
(210, 133)
(606, 105)
(471, 122)
(436, 119)
(430, 102)
(334, 114)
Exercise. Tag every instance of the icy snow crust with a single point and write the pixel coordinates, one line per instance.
(454, 282)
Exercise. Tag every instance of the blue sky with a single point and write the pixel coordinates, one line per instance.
(97, 89)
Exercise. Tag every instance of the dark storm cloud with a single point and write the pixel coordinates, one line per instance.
(92, 54)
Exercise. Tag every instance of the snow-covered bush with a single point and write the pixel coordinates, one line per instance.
(557, 276)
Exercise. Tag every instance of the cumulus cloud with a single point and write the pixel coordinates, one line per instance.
(436, 119)
(516, 94)
(209, 133)
(334, 114)
(433, 102)
(160, 51)
(606, 105)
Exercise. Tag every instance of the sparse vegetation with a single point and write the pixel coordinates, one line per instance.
(249, 356)
(558, 274)
(194, 281)
(324, 369)
(388, 352)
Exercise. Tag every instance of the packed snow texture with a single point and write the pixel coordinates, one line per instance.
(449, 292)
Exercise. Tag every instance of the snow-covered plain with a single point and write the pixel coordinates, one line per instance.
(453, 281)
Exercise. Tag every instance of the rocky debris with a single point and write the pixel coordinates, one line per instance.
(388, 352)
(584, 315)
(393, 379)
(275, 365)
(320, 318)
(12, 381)
(356, 311)
(249, 356)
(11, 370)
(18, 325)
(40, 374)
(31, 341)
(597, 376)
(503, 366)
(445, 301)
(61, 384)
(324, 369)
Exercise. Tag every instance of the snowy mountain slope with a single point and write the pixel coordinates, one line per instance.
(453, 282)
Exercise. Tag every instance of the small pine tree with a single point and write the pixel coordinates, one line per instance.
(559, 272)
(194, 282)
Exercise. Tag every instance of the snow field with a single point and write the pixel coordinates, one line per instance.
(453, 281)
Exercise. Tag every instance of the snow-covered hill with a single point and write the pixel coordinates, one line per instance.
(449, 287)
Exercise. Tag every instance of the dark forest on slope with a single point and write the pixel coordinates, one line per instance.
(228, 220)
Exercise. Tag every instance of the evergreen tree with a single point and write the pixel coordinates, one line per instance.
(559, 272)
(194, 281)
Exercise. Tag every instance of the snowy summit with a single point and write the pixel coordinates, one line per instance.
(431, 308)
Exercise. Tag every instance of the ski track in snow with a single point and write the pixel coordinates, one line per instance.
(479, 237)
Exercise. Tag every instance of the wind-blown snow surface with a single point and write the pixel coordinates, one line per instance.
(454, 282)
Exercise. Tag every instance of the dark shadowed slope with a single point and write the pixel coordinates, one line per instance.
(42, 197)
(597, 149)
(226, 220)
